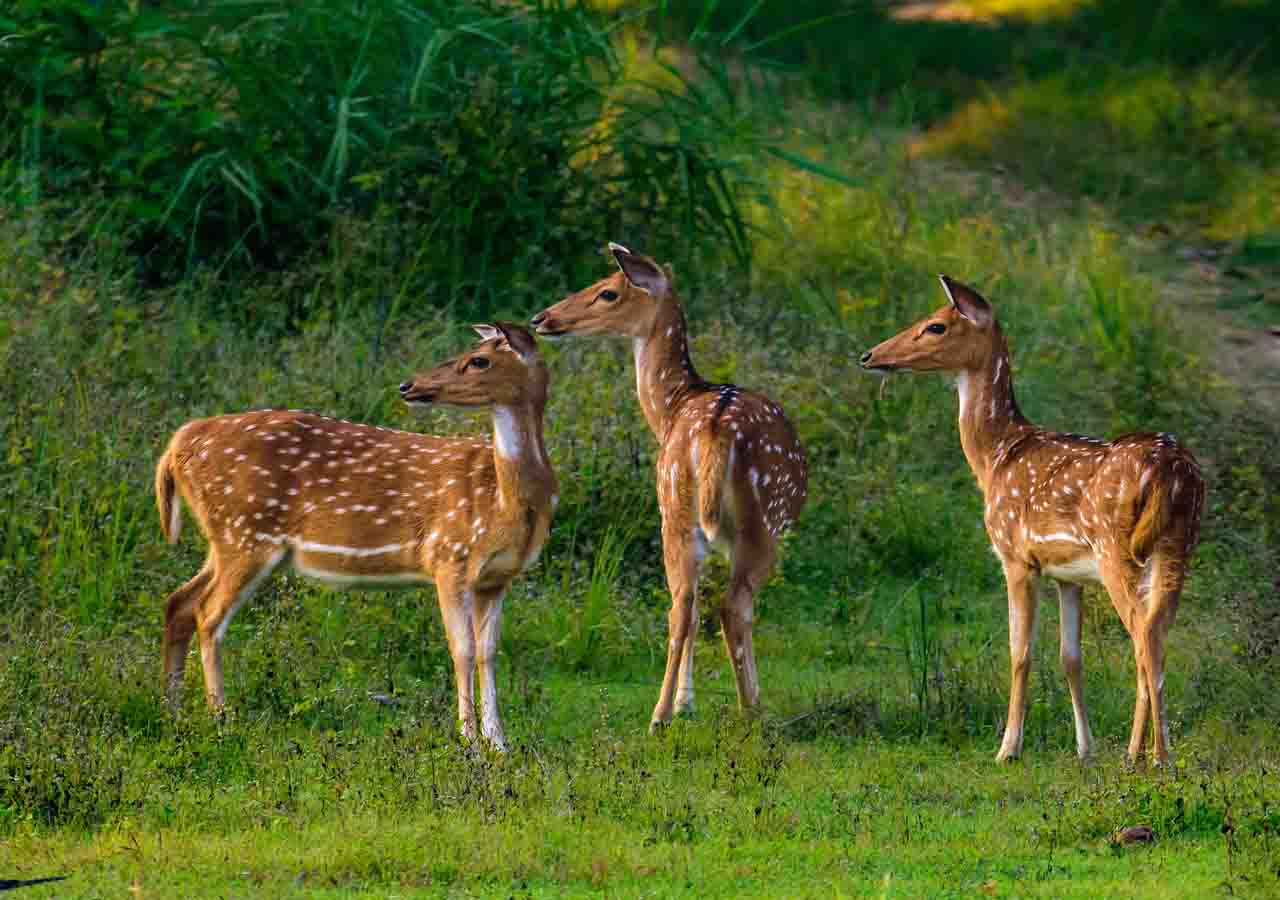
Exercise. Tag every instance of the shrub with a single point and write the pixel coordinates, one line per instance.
(486, 136)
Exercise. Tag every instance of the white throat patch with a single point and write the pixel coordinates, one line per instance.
(506, 434)
(964, 388)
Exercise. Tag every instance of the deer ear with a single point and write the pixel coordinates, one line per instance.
(520, 340)
(641, 271)
(968, 302)
(487, 332)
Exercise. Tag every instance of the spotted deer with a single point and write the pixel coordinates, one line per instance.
(1125, 514)
(731, 473)
(355, 506)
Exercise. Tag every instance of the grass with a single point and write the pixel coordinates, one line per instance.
(234, 138)
(881, 638)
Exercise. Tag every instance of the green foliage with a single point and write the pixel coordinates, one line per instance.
(484, 137)
(858, 49)
(881, 637)
(584, 641)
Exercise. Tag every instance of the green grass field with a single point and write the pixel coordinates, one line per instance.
(1114, 198)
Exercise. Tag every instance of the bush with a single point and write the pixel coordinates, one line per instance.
(485, 135)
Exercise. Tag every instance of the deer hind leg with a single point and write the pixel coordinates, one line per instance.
(179, 626)
(684, 683)
(1164, 589)
(486, 625)
(753, 556)
(681, 560)
(1069, 622)
(1022, 629)
(233, 584)
(1141, 709)
(457, 610)
(1121, 582)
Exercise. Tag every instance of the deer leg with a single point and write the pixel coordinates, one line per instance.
(1070, 614)
(1022, 626)
(457, 608)
(684, 683)
(1120, 582)
(1153, 673)
(1162, 606)
(232, 586)
(179, 626)
(681, 562)
(753, 556)
(487, 622)
(1141, 708)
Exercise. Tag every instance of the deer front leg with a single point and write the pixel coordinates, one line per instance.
(457, 609)
(1022, 627)
(488, 617)
(1070, 615)
(682, 578)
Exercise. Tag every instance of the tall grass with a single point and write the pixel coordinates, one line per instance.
(487, 138)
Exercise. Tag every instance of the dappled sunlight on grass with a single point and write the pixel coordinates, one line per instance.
(1191, 154)
(986, 10)
(1033, 10)
(1250, 206)
(642, 69)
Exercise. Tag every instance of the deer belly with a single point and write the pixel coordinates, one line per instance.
(510, 562)
(1078, 570)
(503, 565)
(352, 567)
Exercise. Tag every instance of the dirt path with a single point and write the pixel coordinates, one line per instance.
(1237, 309)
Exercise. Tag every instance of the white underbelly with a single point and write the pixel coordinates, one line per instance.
(1077, 571)
(315, 570)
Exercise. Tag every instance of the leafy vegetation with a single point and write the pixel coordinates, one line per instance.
(881, 639)
(227, 136)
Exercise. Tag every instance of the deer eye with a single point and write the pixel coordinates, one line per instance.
(478, 362)
(608, 295)
(935, 328)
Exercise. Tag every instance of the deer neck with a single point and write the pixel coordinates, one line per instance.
(665, 376)
(525, 477)
(989, 414)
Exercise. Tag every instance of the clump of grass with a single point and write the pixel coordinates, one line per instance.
(484, 137)
(584, 645)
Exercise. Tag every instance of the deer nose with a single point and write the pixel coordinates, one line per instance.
(865, 358)
(538, 319)
(405, 387)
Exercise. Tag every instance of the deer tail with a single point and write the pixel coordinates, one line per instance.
(1152, 521)
(168, 502)
(713, 464)
(1175, 489)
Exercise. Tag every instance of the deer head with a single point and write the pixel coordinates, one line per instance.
(958, 337)
(624, 304)
(505, 369)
